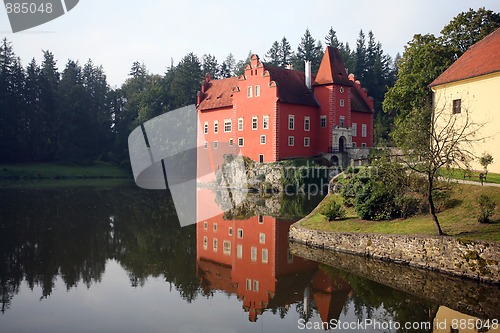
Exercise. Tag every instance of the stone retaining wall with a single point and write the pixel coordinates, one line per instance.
(472, 259)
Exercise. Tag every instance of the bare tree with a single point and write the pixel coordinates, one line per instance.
(437, 139)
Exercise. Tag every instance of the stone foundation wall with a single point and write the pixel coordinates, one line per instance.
(471, 259)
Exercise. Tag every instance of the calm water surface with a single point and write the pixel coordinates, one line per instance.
(115, 260)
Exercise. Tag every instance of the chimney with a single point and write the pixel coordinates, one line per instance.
(308, 73)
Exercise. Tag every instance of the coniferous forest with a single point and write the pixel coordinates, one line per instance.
(68, 113)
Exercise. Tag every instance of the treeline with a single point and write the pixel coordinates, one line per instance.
(74, 116)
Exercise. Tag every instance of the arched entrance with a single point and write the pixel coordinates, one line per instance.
(342, 144)
(335, 160)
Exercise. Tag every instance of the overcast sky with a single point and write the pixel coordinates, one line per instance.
(115, 33)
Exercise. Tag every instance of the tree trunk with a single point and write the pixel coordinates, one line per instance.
(432, 208)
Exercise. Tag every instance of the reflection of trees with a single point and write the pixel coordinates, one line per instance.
(72, 233)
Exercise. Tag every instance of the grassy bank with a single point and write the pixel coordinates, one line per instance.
(56, 175)
(460, 220)
(472, 176)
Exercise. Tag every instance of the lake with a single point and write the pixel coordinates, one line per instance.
(116, 260)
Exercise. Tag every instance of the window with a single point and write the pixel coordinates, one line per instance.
(257, 91)
(228, 126)
(261, 158)
(265, 122)
(215, 245)
(265, 256)
(262, 139)
(342, 121)
(227, 248)
(363, 145)
(261, 219)
(253, 253)
(249, 91)
(262, 238)
(307, 142)
(231, 142)
(354, 129)
(457, 106)
(363, 130)
(255, 123)
(307, 124)
(291, 141)
(341, 90)
(205, 225)
(322, 121)
(215, 226)
(240, 233)
(239, 251)
(256, 286)
(216, 144)
(341, 102)
(291, 122)
(241, 142)
(216, 126)
(205, 145)
(249, 284)
(240, 124)
(230, 231)
(205, 243)
(354, 145)
(205, 128)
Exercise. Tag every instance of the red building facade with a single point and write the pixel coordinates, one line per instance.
(272, 113)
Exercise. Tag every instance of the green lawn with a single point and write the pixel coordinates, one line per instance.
(460, 220)
(472, 175)
(55, 175)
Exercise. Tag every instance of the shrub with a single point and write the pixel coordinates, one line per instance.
(333, 211)
(486, 208)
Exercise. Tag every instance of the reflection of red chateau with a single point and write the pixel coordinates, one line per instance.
(272, 113)
(251, 258)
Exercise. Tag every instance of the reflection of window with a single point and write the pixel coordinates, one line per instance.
(255, 123)
(227, 247)
(216, 144)
(265, 122)
(240, 233)
(363, 130)
(457, 106)
(265, 256)
(215, 245)
(262, 238)
(239, 251)
(253, 253)
(290, 257)
(231, 142)
(323, 121)
(307, 124)
(240, 124)
(205, 145)
(249, 284)
(205, 243)
(256, 286)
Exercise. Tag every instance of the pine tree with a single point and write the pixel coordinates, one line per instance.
(272, 55)
(309, 50)
(361, 57)
(210, 66)
(285, 53)
(331, 38)
(228, 66)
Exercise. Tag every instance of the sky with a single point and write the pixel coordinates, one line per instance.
(115, 33)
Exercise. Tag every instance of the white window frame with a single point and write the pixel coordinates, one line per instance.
(255, 123)
(291, 122)
(241, 142)
(291, 141)
(205, 145)
(230, 231)
(257, 91)
(364, 130)
(263, 140)
(307, 141)
(342, 103)
(205, 225)
(205, 127)
(262, 238)
(205, 243)
(240, 124)
(228, 126)
(363, 145)
(215, 245)
(215, 227)
(249, 91)
(265, 256)
(354, 129)
(322, 120)
(216, 126)
(342, 121)
(307, 124)
(240, 233)
(249, 284)
(253, 253)
(256, 286)
(231, 142)
(226, 247)
(239, 251)
(265, 122)
(354, 145)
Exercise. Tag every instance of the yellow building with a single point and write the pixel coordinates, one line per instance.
(470, 87)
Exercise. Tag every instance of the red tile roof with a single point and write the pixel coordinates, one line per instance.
(291, 86)
(218, 94)
(480, 59)
(332, 69)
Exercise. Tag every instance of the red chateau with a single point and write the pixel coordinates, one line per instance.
(272, 113)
